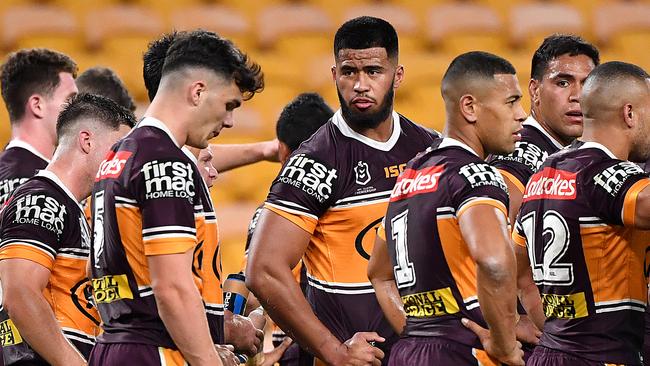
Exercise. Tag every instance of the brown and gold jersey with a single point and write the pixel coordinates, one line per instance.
(18, 162)
(146, 201)
(434, 272)
(42, 222)
(577, 221)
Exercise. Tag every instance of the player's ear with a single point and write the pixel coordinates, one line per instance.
(399, 76)
(533, 91)
(35, 105)
(630, 116)
(333, 69)
(196, 92)
(83, 138)
(468, 107)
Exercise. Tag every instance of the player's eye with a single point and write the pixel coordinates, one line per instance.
(563, 83)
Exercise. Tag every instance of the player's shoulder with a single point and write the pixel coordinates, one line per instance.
(19, 163)
(411, 128)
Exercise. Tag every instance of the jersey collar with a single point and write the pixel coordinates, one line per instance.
(595, 145)
(154, 122)
(532, 122)
(449, 141)
(55, 179)
(345, 129)
(24, 145)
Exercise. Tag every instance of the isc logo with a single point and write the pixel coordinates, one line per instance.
(312, 177)
(113, 165)
(41, 210)
(168, 179)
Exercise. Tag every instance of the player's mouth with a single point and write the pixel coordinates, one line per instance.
(517, 135)
(362, 103)
(574, 116)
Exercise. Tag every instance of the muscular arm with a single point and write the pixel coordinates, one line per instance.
(276, 247)
(484, 229)
(528, 291)
(231, 156)
(32, 314)
(180, 307)
(380, 273)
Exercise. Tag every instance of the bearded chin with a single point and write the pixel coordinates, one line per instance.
(367, 120)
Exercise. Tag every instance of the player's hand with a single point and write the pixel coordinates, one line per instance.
(513, 356)
(359, 352)
(270, 358)
(271, 150)
(526, 331)
(226, 354)
(242, 333)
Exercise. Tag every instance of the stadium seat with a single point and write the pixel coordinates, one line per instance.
(39, 26)
(120, 34)
(531, 22)
(295, 30)
(223, 20)
(459, 27)
(624, 29)
(404, 21)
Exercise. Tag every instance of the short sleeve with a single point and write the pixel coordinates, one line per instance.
(304, 190)
(32, 227)
(478, 183)
(613, 188)
(518, 234)
(167, 192)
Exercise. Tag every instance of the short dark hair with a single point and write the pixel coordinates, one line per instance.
(92, 106)
(477, 64)
(31, 71)
(301, 118)
(366, 32)
(207, 50)
(612, 70)
(153, 60)
(557, 45)
(105, 82)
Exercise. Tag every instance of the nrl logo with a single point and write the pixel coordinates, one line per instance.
(362, 173)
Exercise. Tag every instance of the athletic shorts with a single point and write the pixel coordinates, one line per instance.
(122, 354)
(543, 356)
(429, 351)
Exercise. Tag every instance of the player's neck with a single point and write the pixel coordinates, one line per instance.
(168, 114)
(612, 140)
(564, 141)
(468, 139)
(73, 172)
(30, 132)
(381, 133)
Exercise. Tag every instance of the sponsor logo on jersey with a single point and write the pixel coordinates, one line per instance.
(111, 288)
(7, 186)
(613, 178)
(113, 165)
(309, 175)
(553, 184)
(413, 182)
(565, 306)
(41, 210)
(168, 179)
(482, 174)
(9, 334)
(526, 153)
(361, 173)
(431, 303)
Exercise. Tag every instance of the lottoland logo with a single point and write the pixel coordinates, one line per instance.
(551, 184)
(413, 182)
(168, 179)
(41, 210)
(313, 177)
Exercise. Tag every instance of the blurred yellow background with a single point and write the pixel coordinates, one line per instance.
(292, 40)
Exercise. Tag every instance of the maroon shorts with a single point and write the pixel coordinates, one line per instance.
(543, 356)
(429, 351)
(121, 354)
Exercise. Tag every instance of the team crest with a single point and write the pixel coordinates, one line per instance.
(362, 173)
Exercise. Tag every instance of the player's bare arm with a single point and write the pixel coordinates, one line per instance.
(230, 156)
(180, 307)
(528, 291)
(32, 314)
(276, 248)
(380, 273)
(484, 229)
(515, 196)
(642, 210)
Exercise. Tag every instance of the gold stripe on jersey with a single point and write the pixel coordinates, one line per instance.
(629, 205)
(518, 239)
(304, 222)
(565, 306)
(517, 183)
(9, 334)
(483, 358)
(111, 288)
(129, 221)
(431, 303)
(170, 357)
(381, 232)
(27, 251)
(457, 256)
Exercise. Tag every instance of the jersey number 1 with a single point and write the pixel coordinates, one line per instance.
(404, 271)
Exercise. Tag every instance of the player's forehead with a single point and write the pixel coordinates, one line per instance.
(578, 66)
(353, 57)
